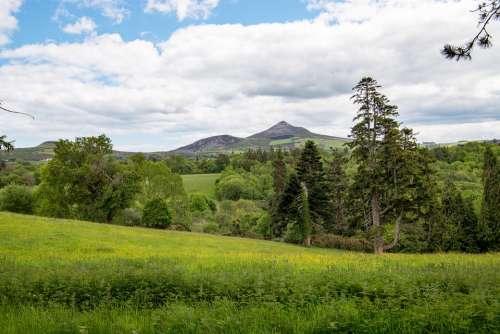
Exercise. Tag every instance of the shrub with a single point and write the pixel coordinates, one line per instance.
(128, 217)
(199, 202)
(340, 242)
(16, 198)
(156, 214)
(211, 228)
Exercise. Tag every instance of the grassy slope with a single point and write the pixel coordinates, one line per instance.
(202, 183)
(114, 279)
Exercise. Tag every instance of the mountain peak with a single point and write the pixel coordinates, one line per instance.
(282, 130)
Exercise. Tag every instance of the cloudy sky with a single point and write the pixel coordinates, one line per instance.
(157, 74)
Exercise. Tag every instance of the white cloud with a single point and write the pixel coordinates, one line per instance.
(213, 79)
(113, 9)
(195, 9)
(83, 25)
(8, 22)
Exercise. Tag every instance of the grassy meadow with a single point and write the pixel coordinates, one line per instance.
(200, 183)
(62, 276)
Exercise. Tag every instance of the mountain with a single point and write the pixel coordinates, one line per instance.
(281, 135)
(283, 130)
(208, 144)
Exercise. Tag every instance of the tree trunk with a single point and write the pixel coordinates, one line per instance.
(378, 242)
(307, 241)
(397, 230)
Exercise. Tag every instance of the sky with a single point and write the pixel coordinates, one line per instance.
(154, 75)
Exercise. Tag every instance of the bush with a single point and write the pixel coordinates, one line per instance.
(156, 214)
(340, 242)
(128, 217)
(211, 228)
(200, 203)
(16, 198)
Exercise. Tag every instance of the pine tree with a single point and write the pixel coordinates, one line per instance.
(388, 166)
(279, 184)
(310, 171)
(287, 211)
(490, 208)
(337, 187)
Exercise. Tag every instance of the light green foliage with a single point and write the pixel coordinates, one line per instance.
(257, 184)
(60, 276)
(200, 203)
(201, 183)
(156, 214)
(16, 198)
(157, 181)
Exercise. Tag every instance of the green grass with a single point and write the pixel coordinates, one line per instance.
(61, 276)
(200, 183)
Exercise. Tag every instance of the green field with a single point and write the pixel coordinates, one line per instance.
(200, 183)
(60, 276)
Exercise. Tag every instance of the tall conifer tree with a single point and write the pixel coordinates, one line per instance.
(490, 208)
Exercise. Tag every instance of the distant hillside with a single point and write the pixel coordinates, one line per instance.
(209, 144)
(41, 152)
(281, 135)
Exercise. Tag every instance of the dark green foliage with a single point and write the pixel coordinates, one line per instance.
(82, 181)
(391, 177)
(288, 212)
(310, 171)
(459, 228)
(338, 185)
(326, 240)
(279, 184)
(240, 218)
(156, 214)
(128, 217)
(490, 208)
(16, 198)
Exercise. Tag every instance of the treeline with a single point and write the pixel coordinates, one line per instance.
(381, 192)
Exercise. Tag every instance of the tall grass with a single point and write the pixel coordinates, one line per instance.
(66, 276)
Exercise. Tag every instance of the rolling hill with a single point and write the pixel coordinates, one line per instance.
(281, 135)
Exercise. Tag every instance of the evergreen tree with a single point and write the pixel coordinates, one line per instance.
(459, 229)
(337, 187)
(287, 211)
(490, 208)
(387, 179)
(310, 171)
(305, 215)
(279, 184)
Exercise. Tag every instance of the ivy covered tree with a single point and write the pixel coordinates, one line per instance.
(488, 11)
(490, 207)
(389, 173)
